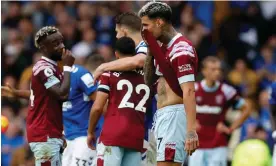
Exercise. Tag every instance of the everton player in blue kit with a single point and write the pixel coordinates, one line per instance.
(76, 114)
(272, 102)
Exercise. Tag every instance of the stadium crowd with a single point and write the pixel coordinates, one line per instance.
(241, 34)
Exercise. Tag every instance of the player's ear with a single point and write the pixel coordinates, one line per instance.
(125, 31)
(43, 48)
(160, 22)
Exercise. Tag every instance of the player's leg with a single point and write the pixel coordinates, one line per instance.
(67, 154)
(109, 155)
(47, 153)
(170, 131)
(217, 156)
(131, 157)
(198, 158)
(82, 155)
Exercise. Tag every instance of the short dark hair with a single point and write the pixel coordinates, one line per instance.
(156, 10)
(43, 33)
(129, 19)
(94, 61)
(125, 46)
(209, 59)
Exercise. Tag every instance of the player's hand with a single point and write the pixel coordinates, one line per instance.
(222, 128)
(91, 139)
(67, 58)
(98, 72)
(191, 142)
(143, 34)
(7, 91)
(64, 145)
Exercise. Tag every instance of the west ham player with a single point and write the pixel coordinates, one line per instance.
(272, 101)
(48, 89)
(121, 139)
(76, 114)
(213, 98)
(129, 24)
(172, 129)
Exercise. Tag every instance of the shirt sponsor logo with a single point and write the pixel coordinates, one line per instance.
(88, 80)
(208, 109)
(186, 67)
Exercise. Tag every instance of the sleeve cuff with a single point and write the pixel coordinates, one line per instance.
(186, 78)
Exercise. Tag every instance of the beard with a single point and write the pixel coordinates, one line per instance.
(56, 56)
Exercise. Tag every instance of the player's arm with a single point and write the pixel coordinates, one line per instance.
(95, 114)
(243, 107)
(97, 110)
(149, 71)
(184, 62)
(8, 91)
(62, 89)
(124, 64)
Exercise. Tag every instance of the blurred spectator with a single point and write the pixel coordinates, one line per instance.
(265, 66)
(85, 47)
(25, 79)
(259, 117)
(186, 20)
(244, 78)
(26, 31)
(13, 16)
(204, 11)
(253, 152)
(11, 140)
(106, 52)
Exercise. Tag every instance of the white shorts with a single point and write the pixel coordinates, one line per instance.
(77, 153)
(170, 131)
(117, 156)
(209, 157)
(47, 153)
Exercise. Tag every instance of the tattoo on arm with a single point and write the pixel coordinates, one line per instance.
(149, 71)
(191, 92)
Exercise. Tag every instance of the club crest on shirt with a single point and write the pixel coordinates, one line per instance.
(48, 72)
(219, 99)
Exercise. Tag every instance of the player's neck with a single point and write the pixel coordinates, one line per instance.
(210, 84)
(137, 38)
(168, 35)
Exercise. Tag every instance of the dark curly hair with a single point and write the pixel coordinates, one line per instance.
(43, 33)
